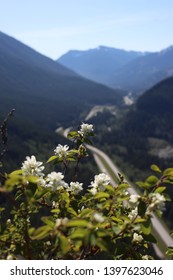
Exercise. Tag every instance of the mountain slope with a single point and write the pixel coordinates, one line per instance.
(45, 95)
(143, 135)
(97, 64)
(132, 71)
(158, 100)
(145, 71)
(17, 50)
(33, 83)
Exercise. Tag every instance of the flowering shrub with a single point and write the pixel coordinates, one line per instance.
(51, 219)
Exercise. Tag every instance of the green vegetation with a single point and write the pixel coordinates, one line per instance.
(49, 218)
(47, 96)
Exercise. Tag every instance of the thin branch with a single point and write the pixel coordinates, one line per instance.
(4, 132)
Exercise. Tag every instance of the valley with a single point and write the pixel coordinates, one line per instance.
(127, 96)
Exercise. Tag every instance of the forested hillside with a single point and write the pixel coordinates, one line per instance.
(45, 95)
(142, 135)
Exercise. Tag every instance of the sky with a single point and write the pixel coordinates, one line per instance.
(53, 27)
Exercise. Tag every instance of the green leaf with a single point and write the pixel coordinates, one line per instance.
(71, 159)
(168, 172)
(48, 221)
(72, 134)
(117, 220)
(40, 193)
(155, 168)
(32, 179)
(146, 227)
(40, 233)
(152, 180)
(85, 213)
(73, 152)
(142, 208)
(78, 223)
(160, 189)
(101, 195)
(72, 211)
(31, 230)
(52, 158)
(16, 172)
(64, 244)
(56, 210)
(139, 220)
(143, 184)
(102, 244)
(79, 233)
(1, 209)
(110, 188)
(123, 186)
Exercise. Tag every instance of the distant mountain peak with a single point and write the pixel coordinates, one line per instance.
(97, 64)
(168, 49)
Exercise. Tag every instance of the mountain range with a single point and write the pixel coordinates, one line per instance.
(98, 64)
(31, 82)
(45, 95)
(129, 70)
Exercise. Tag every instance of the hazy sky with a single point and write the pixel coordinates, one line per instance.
(53, 27)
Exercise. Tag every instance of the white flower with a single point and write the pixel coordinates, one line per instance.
(61, 222)
(55, 180)
(100, 182)
(10, 257)
(75, 187)
(133, 214)
(61, 151)
(79, 210)
(32, 167)
(98, 217)
(157, 202)
(136, 227)
(137, 238)
(55, 204)
(85, 129)
(93, 191)
(41, 182)
(134, 198)
(145, 257)
(157, 198)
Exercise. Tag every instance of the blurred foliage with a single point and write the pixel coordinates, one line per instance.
(49, 218)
